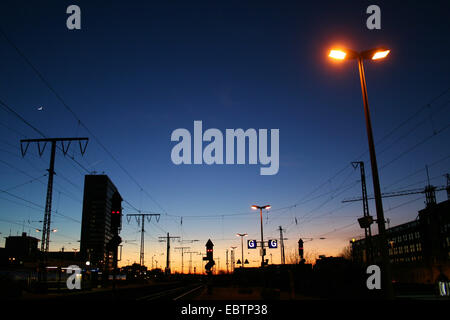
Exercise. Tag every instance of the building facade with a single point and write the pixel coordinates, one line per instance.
(20, 250)
(101, 223)
(419, 250)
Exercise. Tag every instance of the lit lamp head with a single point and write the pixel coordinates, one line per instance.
(337, 54)
(255, 207)
(342, 54)
(372, 54)
(380, 54)
(375, 54)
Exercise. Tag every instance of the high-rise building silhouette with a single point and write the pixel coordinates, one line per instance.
(101, 223)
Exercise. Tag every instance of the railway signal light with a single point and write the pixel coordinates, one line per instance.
(300, 249)
(209, 256)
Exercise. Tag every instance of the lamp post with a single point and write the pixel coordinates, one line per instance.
(242, 235)
(267, 207)
(232, 257)
(373, 54)
(53, 230)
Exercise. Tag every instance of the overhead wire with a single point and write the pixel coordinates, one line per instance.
(51, 88)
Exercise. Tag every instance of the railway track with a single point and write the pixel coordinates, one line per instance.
(175, 294)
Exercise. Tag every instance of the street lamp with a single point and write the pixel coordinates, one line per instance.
(242, 235)
(232, 257)
(53, 230)
(267, 207)
(373, 54)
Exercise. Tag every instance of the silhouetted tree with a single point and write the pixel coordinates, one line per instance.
(346, 252)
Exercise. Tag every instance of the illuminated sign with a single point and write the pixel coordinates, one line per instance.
(273, 244)
(251, 244)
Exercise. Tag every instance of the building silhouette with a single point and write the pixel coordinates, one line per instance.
(419, 250)
(101, 223)
(21, 250)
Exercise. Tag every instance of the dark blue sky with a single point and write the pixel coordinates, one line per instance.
(137, 70)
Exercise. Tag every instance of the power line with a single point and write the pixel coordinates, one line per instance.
(32, 165)
(433, 100)
(49, 86)
(25, 183)
(447, 103)
(404, 204)
(343, 169)
(37, 205)
(80, 123)
(421, 182)
(332, 197)
(418, 171)
(416, 145)
(427, 105)
(339, 229)
(30, 176)
(6, 107)
(21, 204)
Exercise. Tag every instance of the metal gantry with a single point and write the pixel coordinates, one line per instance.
(140, 219)
(182, 256)
(167, 239)
(429, 192)
(51, 171)
(283, 257)
(367, 220)
(190, 259)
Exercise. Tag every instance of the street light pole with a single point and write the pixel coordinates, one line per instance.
(373, 54)
(262, 239)
(267, 207)
(242, 235)
(376, 185)
(232, 257)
